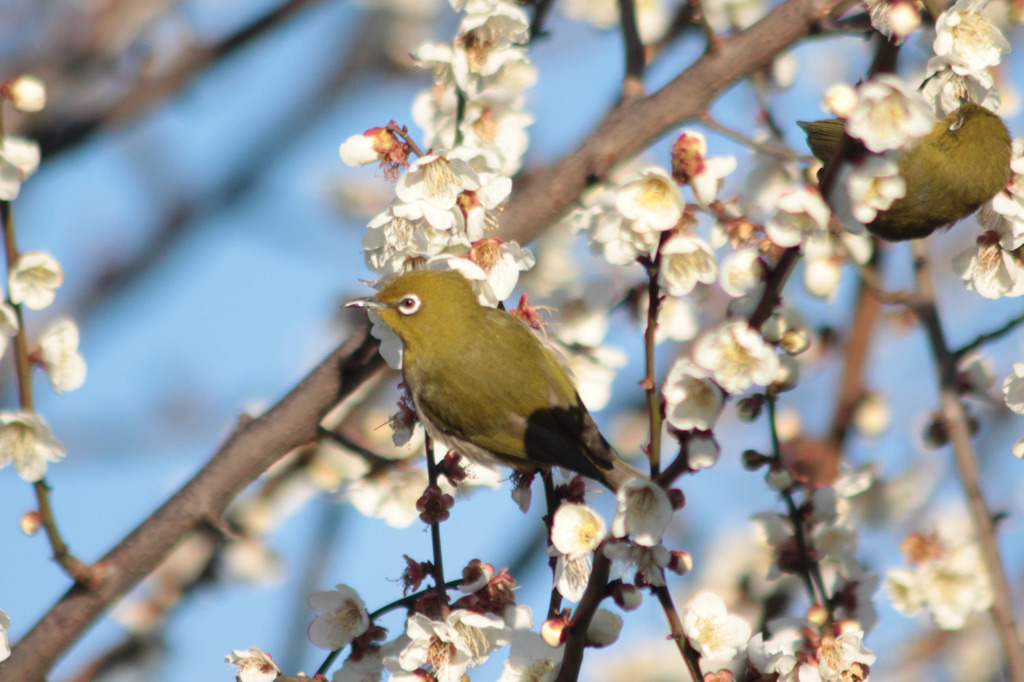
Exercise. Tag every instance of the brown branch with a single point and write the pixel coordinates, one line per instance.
(633, 125)
(253, 447)
(954, 416)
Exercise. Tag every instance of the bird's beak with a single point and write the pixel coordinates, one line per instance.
(371, 303)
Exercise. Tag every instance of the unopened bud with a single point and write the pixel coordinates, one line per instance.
(31, 522)
(753, 460)
(817, 614)
(778, 478)
(680, 563)
(749, 408)
(604, 628)
(795, 341)
(27, 93)
(552, 631)
(628, 597)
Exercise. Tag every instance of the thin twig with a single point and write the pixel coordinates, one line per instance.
(577, 628)
(435, 526)
(955, 420)
(777, 150)
(633, 78)
(691, 657)
(988, 336)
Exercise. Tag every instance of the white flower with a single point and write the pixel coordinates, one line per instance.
(431, 187)
(19, 159)
(26, 442)
(702, 451)
(369, 668)
(737, 356)
(643, 512)
(530, 659)
(27, 93)
(837, 655)
(8, 325)
(740, 272)
(1018, 448)
(576, 530)
(840, 100)
(649, 562)
(604, 628)
(889, 114)
(449, 647)
(947, 87)
(492, 266)
(896, 19)
(686, 260)
(571, 575)
(342, 617)
(770, 656)
(712, 630)
(34, 278)
(358, 150)
(254, 665)
(800, 214)
(651, 201)
(392, 497)
(58, 350)
(692, 400)
(1013, 389)
(873, 186)
(5, 645)
(691, 165)
(967, 39)
(990, 269)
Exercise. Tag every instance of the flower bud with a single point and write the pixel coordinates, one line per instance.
(604, 628)
(27, 93)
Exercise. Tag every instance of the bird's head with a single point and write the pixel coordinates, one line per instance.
(424, 304)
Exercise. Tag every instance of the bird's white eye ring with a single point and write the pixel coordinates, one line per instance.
(409, 304)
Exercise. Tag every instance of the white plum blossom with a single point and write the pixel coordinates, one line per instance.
(990, 269)
(950, 582)
(391, 497)
(26, 442)
(889, 114)
(604, 628)
(702, 451)
(649, 562)
(643, 512)
(58, 351)
(26, 92)
(8, 325)
(492, 266)
(737, 356)
(650, 202)
(530, 659)
(431, 187)
(342, 617)
(837, 656)
(686, 260)
(741, 271)
(692, 399)
(840, 100)
(771, 656)
(254, 665)
(712, 630)
(571, 575)
(800, 214)
(19, 159)
(576, 530)
(947, 87)
(652, 16)
(692, 166)
(34, 278)
(894, 18)
(872, 186)
(448, 648)
(1013, 389)
(966, 39)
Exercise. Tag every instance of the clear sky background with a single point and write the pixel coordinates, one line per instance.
(244, 302)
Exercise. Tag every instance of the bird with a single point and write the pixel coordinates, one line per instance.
(485, 385)
(949, 173)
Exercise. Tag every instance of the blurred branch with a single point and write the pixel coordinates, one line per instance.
(254, 446)
(59, 134)
(634, 124)
(954, 418)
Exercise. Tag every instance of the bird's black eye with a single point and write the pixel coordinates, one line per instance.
(409, 304)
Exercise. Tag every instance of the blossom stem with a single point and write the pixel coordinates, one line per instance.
(810, 570)
(654, 407)
(690, 655)
(435, 527)
(955, 419)
(77, 569)
(988, 336)
(404, 134)
(577, 628)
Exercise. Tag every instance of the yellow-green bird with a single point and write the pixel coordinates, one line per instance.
(949, 173)
(485, 385)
